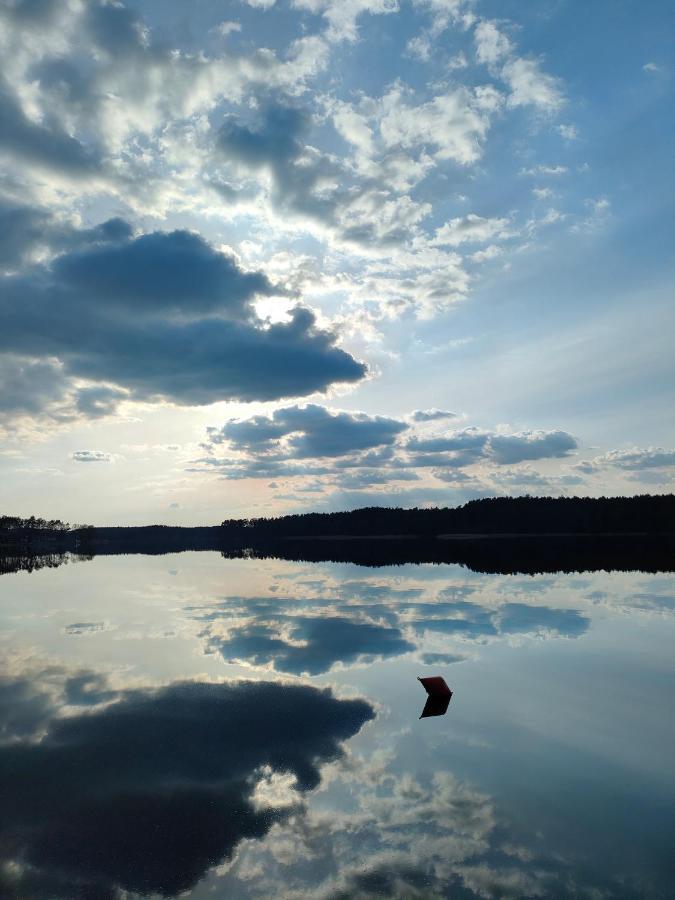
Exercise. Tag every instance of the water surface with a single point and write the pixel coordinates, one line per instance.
(250, 728)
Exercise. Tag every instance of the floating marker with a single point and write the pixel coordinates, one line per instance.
(439, 696)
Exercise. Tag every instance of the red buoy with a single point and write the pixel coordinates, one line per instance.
(439, 696)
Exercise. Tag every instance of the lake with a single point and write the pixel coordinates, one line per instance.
(190, 724)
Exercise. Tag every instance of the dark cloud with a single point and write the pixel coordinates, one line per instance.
(47, 147)
(149, 792)
(472, 439)
(515, 448)
(115, 28)
(28, 386)
(176, 272)
(274, 142)
(312, 431)
(98, 401)
(37, 12)
(26, 231)
(166, 316)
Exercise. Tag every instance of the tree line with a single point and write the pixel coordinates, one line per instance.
(644, 513)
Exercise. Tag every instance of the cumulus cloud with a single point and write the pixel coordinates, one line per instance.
(309, 431)
(352, 458)
(525, 445)
(467, 445)
(165, 316)
(636, 459)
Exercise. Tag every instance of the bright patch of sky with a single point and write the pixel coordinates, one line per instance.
(261, 256)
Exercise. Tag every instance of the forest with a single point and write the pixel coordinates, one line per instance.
(497, 515)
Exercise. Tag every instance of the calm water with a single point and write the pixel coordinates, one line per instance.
(248, 728)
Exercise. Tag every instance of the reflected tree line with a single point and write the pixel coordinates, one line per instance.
(498, 535)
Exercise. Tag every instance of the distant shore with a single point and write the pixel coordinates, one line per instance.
(525, 534)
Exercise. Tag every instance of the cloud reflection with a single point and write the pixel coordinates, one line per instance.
(325, 626)
(148, 792)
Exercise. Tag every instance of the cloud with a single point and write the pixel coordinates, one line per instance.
(309, 431)
(28, 233)
(465, 439)
(492, 46)
(79, 628)
(452, 125)
(553, 171)
(634, 459)
(119, 783)
(29, 386)
(514, 448)
(342, 15)
(528, 84)
(353, 458)
(432, 415)
(176, 272)
(31, 142)
(165, 316)
(98, 401)
(568, 132)
(90, 456)
(473, 229)
(303, 178)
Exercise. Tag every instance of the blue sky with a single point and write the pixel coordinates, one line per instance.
(260, 256)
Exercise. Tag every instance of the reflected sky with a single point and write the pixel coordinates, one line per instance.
(249, 728)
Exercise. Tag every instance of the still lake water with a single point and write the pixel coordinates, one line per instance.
(250, 728)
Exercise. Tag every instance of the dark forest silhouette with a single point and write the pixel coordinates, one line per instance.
(504, 534)
(497, 515)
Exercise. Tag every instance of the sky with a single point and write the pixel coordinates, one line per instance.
(267, 256)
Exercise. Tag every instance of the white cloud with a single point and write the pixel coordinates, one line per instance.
(553, 171)
(492, 46)
(530, 86)
(342, 15)
(453, 125)
(473, 229)
(226, 28)
(543, 193)
(91, 456)
(569, 132)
